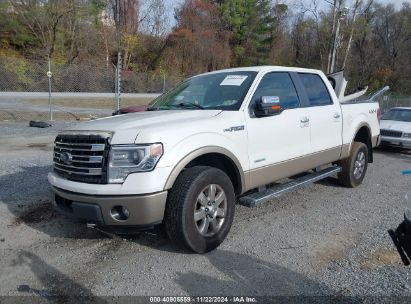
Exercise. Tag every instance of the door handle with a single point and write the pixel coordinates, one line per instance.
(337, 115)
(304, 119)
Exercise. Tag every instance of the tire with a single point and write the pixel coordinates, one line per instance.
(190, 197)
(353, 173)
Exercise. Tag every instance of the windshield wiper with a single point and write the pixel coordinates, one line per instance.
(186, 105)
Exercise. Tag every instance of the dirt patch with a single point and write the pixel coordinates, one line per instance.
(41, 146)
(43, 211)
(381, 258)
(335, 247)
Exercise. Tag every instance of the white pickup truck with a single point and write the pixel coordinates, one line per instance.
(215, 139)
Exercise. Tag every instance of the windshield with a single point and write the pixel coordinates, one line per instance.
(397, 114)
(222, 91)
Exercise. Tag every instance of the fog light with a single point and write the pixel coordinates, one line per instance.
(119, 213)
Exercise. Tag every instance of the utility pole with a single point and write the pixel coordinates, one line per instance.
(49, 74)
(118, 82)
(118, 68)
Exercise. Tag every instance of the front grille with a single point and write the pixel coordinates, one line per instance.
(390, 133)
(81, 158)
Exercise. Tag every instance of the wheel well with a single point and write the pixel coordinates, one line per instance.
(223, 163)
(364, 135)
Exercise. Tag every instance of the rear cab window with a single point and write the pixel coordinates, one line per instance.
(316, 90)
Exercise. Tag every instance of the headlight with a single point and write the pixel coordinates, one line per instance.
(408, 135)
(132, 158)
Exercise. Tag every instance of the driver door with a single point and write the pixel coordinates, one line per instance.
(277, 144)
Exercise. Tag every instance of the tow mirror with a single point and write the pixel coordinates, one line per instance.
(268, 106)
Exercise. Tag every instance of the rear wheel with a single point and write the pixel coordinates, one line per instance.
(355, 166)
(200, 209)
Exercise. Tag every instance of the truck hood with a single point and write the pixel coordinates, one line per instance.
(396, 125)
(125, 128)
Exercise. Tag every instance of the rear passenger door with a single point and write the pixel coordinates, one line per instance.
(325, 117)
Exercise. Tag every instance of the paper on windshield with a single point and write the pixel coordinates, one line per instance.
(233, 80)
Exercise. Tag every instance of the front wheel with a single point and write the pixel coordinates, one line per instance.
(355, 166)
(200, 209)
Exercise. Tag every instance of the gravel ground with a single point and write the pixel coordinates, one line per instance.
(320, 240)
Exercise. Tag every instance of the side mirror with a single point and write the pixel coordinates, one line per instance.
(267, 106)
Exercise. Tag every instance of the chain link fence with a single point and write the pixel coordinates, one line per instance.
(78, 91)
(390, 101)
(86, 91)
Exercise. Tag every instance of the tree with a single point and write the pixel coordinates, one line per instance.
(305, 42)
(280, 52)
(199, 42)
(251, 25)
(42, 19)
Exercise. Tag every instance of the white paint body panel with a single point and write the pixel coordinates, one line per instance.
(358, 115)
(277, 138)
(181, 132)
(141, 183)
(326, 128)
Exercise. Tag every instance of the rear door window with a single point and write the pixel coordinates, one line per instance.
(317, 92)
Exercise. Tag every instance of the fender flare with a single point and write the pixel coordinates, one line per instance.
(361, 125)
(199, 152)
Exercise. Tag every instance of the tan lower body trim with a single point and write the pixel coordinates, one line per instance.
(345, 151)
(269, 174)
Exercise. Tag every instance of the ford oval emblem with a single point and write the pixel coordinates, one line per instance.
(66, 158)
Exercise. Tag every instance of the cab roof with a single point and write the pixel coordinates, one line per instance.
(264, 68)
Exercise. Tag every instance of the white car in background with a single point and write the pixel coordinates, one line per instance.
(395, 127)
